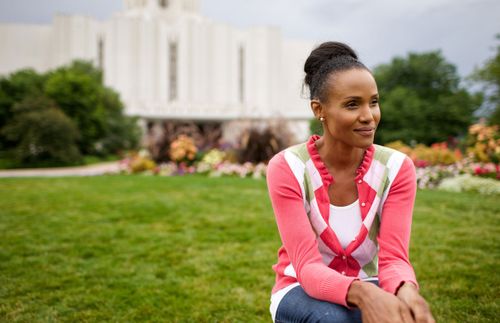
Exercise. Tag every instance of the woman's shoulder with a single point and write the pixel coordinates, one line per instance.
(298, 150)
(388, 155)
(289, 160)
(395, 161)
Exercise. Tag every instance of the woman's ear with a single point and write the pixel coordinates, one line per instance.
(317, 108)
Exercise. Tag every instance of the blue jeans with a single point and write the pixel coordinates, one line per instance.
(297, 306)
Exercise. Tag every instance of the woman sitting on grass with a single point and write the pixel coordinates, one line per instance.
(343, 207)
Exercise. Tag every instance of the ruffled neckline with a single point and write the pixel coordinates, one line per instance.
(321, 167)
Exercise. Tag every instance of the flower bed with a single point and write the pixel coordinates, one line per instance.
(213, 164)
(434, 165)
(429, 177)
(432, 176)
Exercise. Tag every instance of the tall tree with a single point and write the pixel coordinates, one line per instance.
(96, 109)
(421, 100)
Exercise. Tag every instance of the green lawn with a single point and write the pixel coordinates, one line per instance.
(131, 248)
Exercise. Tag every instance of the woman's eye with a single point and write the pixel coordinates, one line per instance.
(374, 102)
(351, 104)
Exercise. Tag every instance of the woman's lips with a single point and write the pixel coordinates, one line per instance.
(367, 132)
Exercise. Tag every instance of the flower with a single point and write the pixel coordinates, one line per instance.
(484, 143)
(167, 169)
(214, 157)
(183, 149)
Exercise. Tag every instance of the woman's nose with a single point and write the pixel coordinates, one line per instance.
(366, 114)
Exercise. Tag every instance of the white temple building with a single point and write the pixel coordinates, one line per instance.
(167, 61)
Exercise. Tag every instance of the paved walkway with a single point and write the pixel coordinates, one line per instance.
(89, 170)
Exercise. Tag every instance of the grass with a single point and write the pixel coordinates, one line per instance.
(180, 249)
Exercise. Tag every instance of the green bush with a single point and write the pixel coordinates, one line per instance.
(422, 100)
(90, 111)
(41, 134)
(120, 132)
(468, 183)
(96, 109)
(14, 88)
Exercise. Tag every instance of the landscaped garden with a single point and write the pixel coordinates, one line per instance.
(192, 248)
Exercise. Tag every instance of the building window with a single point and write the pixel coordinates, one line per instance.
(164, 3)
(172, 71)
(100, 53)
(241, 74)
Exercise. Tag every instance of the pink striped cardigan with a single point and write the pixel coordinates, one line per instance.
(311, 253)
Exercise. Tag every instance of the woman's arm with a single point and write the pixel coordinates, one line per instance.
(318, 280)
(395, 229)
(396, 274)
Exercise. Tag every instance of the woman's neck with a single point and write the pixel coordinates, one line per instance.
(338, 156)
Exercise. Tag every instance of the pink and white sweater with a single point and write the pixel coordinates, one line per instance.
(311, 253)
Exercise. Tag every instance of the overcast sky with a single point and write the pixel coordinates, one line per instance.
(378, 29)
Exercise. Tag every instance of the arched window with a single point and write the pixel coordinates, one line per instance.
(163, 3)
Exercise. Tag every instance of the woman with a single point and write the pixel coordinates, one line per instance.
(343, 207)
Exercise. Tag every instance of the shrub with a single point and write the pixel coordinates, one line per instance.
(260, 144)
(431, 176)
(138, 163)
(120, 132)
(214, 157)
(484, 143)
(13, 89)
(488, 170)
(422, 156)
(468, 183)
(183, 150)
(159, 137)
(42, 135)
(96, 109)
(78, 91)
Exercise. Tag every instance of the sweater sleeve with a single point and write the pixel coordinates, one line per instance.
(299, 240)
(395, 229)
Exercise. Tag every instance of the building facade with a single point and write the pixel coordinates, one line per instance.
(168, 62)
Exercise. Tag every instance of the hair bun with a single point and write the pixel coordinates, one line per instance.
(323, 53)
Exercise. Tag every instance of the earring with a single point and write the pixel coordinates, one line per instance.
(321, 119)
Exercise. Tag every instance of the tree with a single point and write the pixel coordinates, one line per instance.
(79, 103)
(120, 132)
(96, 109)
(78, 94)
(421, 100)
(41, 134)
(14, 88)
(489, 77)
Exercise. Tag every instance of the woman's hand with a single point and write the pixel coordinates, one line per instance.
(377, 305)
(408, 293)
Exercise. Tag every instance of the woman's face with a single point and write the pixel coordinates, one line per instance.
(352, 110)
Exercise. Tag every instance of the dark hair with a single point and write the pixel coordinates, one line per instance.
(327, 58)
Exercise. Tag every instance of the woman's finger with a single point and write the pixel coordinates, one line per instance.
(421, 312)
(406, 314)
